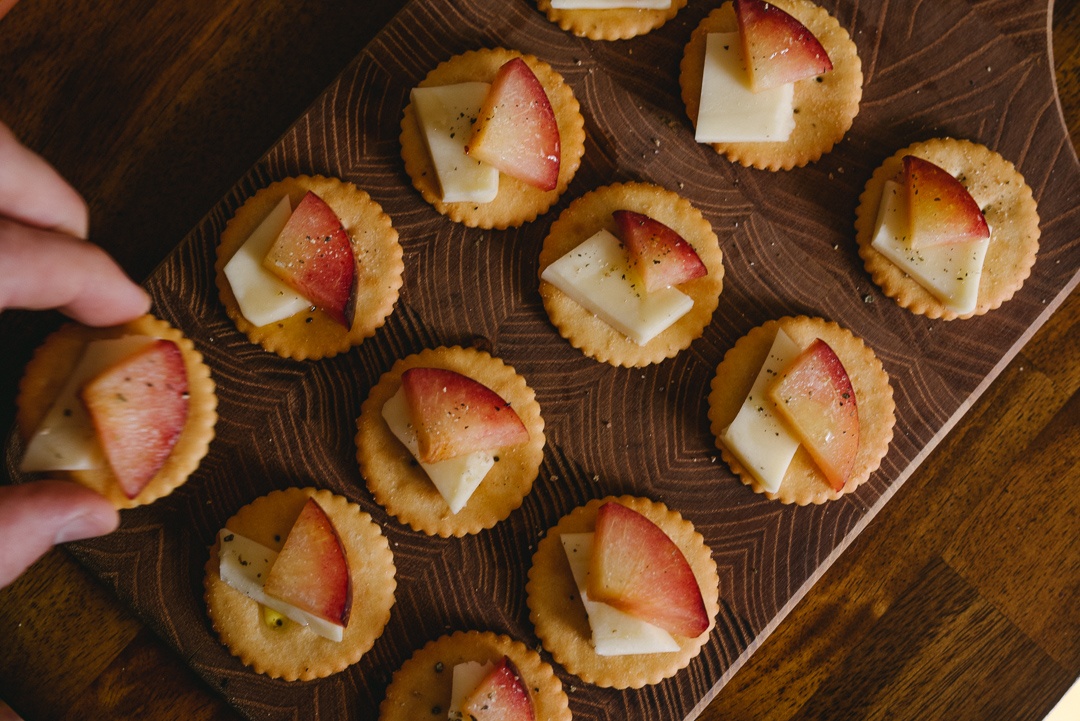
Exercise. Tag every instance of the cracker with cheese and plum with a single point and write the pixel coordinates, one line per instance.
(948, 228)
(478, 676)
(128, 411)
(623, 592)
(772, 85)
(631, 273)
(610, 19)
(450, 440)
(491, 138)
(309, 267)
(802, 410)
(299, 584)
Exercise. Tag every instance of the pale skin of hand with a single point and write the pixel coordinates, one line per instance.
(43, 230)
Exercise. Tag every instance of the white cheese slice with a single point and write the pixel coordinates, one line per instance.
(757, 436)
(467, 676)
(262, 296)
(951, 272)
(244, 565)
(596, 275)
(729, 111)
(610, 4)
(446, 114)
(66, 440)
(455, 478)
(614, 633)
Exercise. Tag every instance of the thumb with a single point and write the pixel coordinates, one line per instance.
(36, 516)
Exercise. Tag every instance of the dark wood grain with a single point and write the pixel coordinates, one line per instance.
(653, 439)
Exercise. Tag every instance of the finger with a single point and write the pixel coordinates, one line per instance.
(6, 712)
(32, 192)
(43, 269)
(6, 5)
(36, 516)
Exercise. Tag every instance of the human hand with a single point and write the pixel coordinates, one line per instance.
(8, 714)
(6, 5)
(43, 226)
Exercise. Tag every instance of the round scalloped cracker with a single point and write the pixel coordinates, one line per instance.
(400, 485)
(517, 202)
(312, 334)
(421, 688)
(57, 357)
(804, 483)
(591, 213)
(825, 106)
(561, 622)
(1006, 201)
(293, 652)
(613, 24)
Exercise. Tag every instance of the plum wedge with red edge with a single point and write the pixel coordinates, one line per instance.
(815, 396)
(659, 255)
(516, 130)
(638, 569)
(500, 696)
(940, 208)
(311, 572)
(454, 415)
(777, 48)
(138, 407)
(314, 256)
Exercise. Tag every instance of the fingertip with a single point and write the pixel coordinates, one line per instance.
(96, 517)
(107, 295)
(34, 193)
(120, 303)
(61, 271)
(36, 516)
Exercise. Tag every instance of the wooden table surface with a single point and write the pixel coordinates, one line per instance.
(958, 601)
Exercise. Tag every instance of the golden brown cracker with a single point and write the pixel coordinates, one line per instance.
(517, 202)
(399, 483)
(560, 620)
(613, 24)
(804, 483)
(1006, 201)
(825, 106)
(54, 361)
(591, 213)
(313, 334)
(421, 688)
(293, 652)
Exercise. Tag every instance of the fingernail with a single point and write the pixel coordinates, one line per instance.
(86, 525)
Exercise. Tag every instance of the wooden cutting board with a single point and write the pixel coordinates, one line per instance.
(978, 70)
